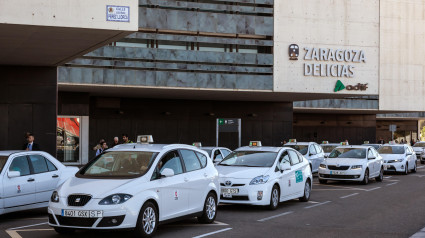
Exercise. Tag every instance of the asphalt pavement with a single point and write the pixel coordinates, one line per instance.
(392, 208)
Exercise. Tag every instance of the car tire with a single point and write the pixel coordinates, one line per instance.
(380, 177)
(366, 177)
(307, 191)
(414, 168)
(147, 223)
(406, 169)
(274, 198)
(64, 230)
(210, 209)
(323, 181)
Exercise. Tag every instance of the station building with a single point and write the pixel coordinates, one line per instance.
(307, 69)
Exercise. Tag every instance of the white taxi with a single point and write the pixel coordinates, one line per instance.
(328, 147)
(28, 178)
(217, 154)
(265, 176)
(419, 148)
(355, 163)
(398, 158)
(137, 186)
(310, 150)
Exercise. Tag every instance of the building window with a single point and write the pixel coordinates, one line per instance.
(68, 139)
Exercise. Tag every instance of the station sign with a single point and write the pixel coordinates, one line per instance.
(228, 124)
(118, 13)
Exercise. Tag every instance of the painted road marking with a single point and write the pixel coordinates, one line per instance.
(16, 228)
(279, 215)
(354, 194)
(14, 233)
(392, 183)
(337, 186)
(420, 167)
(417, 175)
(319, 204)
(372, 189)
(216, 223)
(387, 177)
(312, 202)
(212, 233)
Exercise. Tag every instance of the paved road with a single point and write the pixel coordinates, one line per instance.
(393, 208)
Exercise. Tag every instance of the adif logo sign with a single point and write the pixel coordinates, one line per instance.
(339, 86)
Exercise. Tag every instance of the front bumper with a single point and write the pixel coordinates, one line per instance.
(249, 194)
(394, 167)
(343, 175)
(114, 216)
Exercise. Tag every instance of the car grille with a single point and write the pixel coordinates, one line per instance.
(333, 167)
(76, 221)
(340, 176)
(233, 185)
(235, 198)
(78, 200)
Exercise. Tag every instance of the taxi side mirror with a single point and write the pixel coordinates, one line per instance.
(285, 166)
(372, 157)
(167, 172)
(409, 153)
(13, 174)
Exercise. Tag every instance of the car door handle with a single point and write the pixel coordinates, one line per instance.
(31, 180)
(186, 179)
(55, 176)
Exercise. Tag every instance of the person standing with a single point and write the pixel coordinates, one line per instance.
(30, 145)
(103, 147)
(125, 139)
(381, 141)
(116, 142)
(98, 146)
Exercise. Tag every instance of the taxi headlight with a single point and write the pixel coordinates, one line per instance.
(115, 199)
(54, 197)
(259, 180)
(323, 166)
(395, 161)
(356, 167)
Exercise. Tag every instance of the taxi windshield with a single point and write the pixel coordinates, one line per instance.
(328, 148)
(117, 164)
(353, 153)
(3, 160)
(419, 145)
(249, 159)
(391, 150)
(300, 148)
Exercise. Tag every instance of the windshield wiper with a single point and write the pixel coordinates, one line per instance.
(242, 165)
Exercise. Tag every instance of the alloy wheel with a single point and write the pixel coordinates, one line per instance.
(149, 220)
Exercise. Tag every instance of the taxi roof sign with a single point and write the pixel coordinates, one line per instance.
(392, 142)
(325, 142)
(344, 143)
(197, 144)
(255, 143)
(366, 142)
(293, 140)
(145, 139)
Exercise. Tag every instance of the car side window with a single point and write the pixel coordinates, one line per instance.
(170, 161)
(300, 157)
(294, 157)
(318, 149)
(20, 164)
(190, 160)
(375, 152)
(284, 158)
(225, 152)
(370, 154)
(51, 166)
(38, 164)
(217, 155)
(312, 150)
(202, 158)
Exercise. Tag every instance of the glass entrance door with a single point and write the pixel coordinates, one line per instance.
(68, 139)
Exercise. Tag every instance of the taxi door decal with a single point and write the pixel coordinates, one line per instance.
(298, 176)
(176, 195)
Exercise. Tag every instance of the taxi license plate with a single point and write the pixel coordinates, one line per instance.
(83, 214)
(228, 192)
(337, 172)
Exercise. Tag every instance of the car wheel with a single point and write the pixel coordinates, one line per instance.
(414, 168)
(210, 210)
(64, 230)
(406, 169)
(380, 178)
(148, 221)
(323, 181)
(274, 198)
(307, 192)
(366, 177)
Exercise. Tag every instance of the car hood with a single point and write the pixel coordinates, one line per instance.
(391, 156)
(344, 161)
(98, 188)
(240, 172)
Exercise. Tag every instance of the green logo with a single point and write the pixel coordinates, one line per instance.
(221, 121)
(298, 176)
(339, 86)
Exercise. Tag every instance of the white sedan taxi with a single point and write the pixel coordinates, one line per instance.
(355, 163)
(217, 154)
(310, 150)
(28, 178)
(419, 148)
(328, 147)
(265, 176)
(398, 158)
(137, 186)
